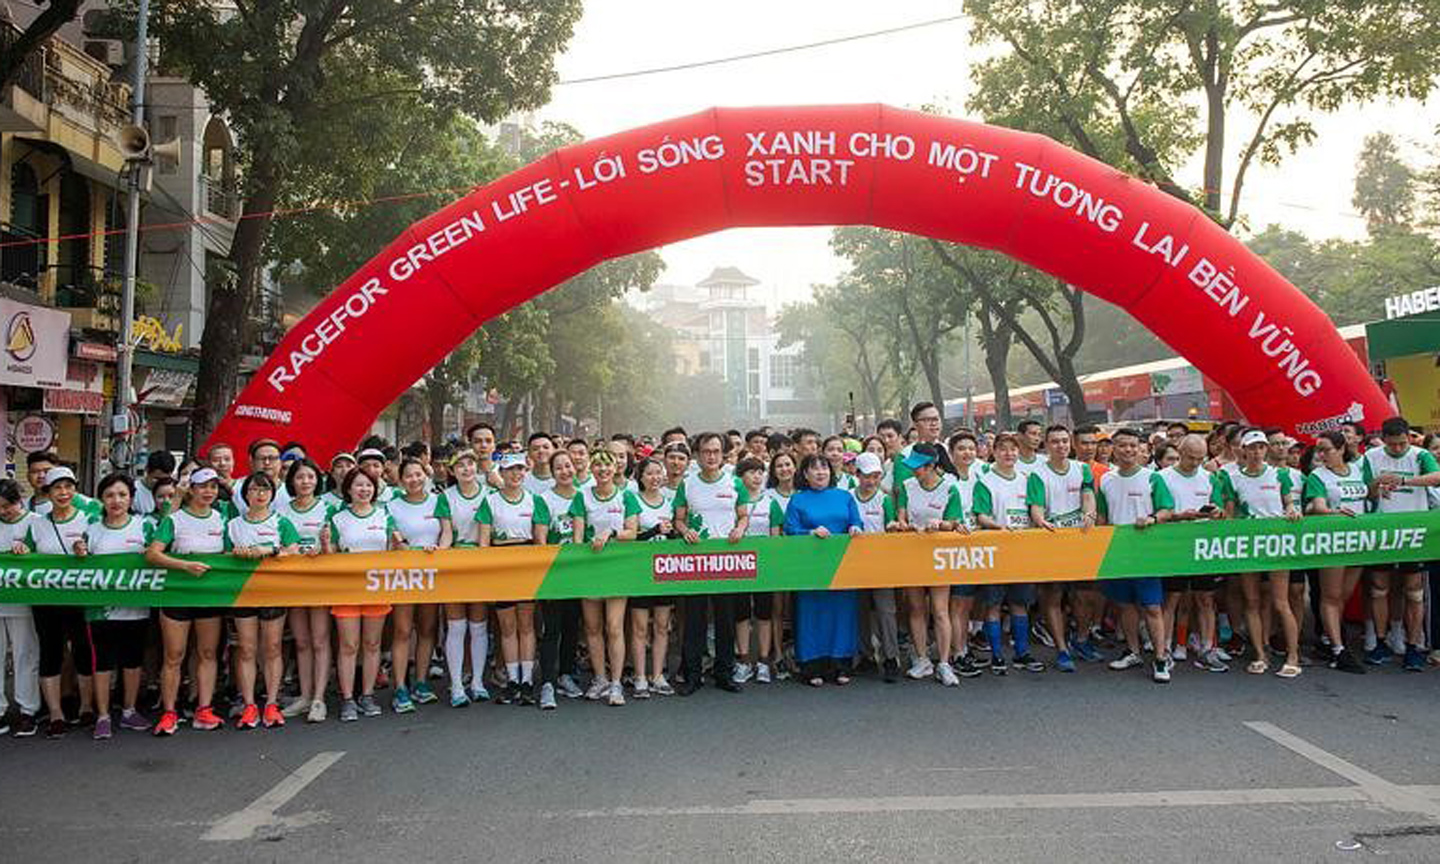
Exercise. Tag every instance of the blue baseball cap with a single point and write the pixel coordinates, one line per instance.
(922, 454)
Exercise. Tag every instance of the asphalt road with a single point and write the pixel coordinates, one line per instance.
(1094, 766)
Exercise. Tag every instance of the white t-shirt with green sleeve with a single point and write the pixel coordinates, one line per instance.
(130, 538)
(1060, 494)
(922, 506)
(185, 533)
(309, 523)
(351, 532)
(513, 521)
(1260, 495)
(1190, 492)
(1347, 490)
(273, 532)
(562, 524)
(463, 508)
(651, 517)
(603, 514)
(1125, 499)
(711, 503)
(420, 523)
(1414, 462)
(1003, 498)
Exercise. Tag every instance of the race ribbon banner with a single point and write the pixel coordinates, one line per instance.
(714, 566)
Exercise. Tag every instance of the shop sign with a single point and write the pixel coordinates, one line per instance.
(1172, 382)
(165, 388)
(83, 393)
(36, 345)
(1413, 302)
(96, 351)
(34, 433)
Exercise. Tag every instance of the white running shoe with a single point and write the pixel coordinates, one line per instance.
(568, 688)
(599, 689)
(317, 712)
(641, 687)
(1179, 654)
(296, 707)
(617, 694)
(1128, 660)
(661, 687)
(947, 675)
(762, 673)
(743, 672)
(921, 668)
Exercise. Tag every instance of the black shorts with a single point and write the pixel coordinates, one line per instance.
(1178, 584)
(652, 602)
(55, 628)
(118, 644)
(191, 613)
(760, 604)
(264, 613)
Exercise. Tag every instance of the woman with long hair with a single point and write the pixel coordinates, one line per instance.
(826, 622)
(462, 619)
(656, 522)
(560, 619)
(600, 513)
(1334, 485)
(514, 516)
(423, 519)
(310, 625)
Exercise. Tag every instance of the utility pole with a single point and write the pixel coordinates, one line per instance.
(121, 457)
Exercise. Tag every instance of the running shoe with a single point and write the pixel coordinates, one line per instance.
(478, 693)
(349, 711)
(1029, 663)
(249, 717)
(1211, 661)
(762, 673)
(1379, 655)
(368, 706)
(966, 667)
(979, 643)
(997, 665)
(617, 694)
(1085, 650)
(86, 719)
(525, 693)
(1344, 661)
(507, 693)
(1040, 633)
(56, 729)
(102, 728)
(891, 671)
(4, 725)
(1414, 659)
(743, 672)
(401, 703)
(599, 689)
(134, 721)
(946, 675)
(297, 707)
(1128, 660)
(272, 717)
(660, 687)
(641, 688)
(1224, 655)
(206, 720)
(1179, 653)
(921, 669)
(1064, 662)
(458, 699)
(1395, 640)
(317, 712)
(169, 723)
(1160, 671)
(547, 696)
(568, 688)
(423, 693)
(25, 727)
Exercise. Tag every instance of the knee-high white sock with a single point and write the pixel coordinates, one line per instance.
(479, 651)
(455, 653)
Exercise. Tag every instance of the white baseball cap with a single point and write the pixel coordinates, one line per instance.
(372, 453)
(868, 463)
(203, 475)
(1254, 436)
(512, 460)
(58, 473)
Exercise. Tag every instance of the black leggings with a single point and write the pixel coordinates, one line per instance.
(55, 626)
(559, 633)
(119, 642)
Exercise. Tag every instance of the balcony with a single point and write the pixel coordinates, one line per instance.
(220, 197)
(22, 105)
(65, 96)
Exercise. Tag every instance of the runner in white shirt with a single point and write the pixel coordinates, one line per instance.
(603, 512)
(264, 458)
(540, 447)
(309, 625)
(1061, 494)
(765, 517)
(117, 633)
(461, 619)
(196, 528)
(260, 532)
(17, 627)
(656, 522)
(1196, 494)
(510, 516)
(1000, 506)
(423, 518)
(833, 449)
(1399, 476)
(926, 501)
(340, 466)
(371, 462)
(877, 515)
(964, 452)
(1335, 486)
(1255, 490)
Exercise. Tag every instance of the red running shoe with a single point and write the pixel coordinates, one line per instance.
(273, 716)
(169, 723)
(249, 718)
(206, 719)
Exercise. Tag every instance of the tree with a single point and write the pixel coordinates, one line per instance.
(1384, 185)
(1117, 78)
(297, 72)
(56, 14)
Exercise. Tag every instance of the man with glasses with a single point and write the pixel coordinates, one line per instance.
(927, 420)
(265, 458)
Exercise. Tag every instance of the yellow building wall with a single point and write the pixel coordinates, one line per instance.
(1417, 386)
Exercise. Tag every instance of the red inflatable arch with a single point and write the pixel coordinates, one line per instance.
(1193, 284)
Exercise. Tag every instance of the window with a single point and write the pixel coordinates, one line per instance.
(754, 379)
(784, 370)
(754, 359)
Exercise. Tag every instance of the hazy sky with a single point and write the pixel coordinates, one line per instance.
(1310, 193)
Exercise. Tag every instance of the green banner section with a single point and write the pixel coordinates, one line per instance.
(1251, 545)
(709, 567)
(119, 580)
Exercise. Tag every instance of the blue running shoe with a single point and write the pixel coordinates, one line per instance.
(1086, 651)
(1379, 655)
(458, 699)
(402, 703)
(479, 694)
(1064, 662)
(1414, 659)
(423, 694)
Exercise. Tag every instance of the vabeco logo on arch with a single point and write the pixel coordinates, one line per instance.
(1198, 288)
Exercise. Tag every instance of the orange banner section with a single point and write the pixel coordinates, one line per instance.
(982, 557)
(510, 573)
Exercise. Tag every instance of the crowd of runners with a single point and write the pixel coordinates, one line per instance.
(71, 667)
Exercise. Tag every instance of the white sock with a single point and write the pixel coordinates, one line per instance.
(527, 671)
(479, 651)
(1370, 640)
(455, 654)
(512, 671)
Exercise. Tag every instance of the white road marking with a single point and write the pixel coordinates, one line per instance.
(1379, 790)
(242, 824)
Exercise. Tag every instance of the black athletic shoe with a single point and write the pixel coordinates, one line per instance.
(527, 693)
(1029, 663)
(966, 667)
(998, 665)
(507, 694)
(892, 671)
(1346, 662)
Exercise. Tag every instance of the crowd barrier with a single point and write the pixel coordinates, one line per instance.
(714, 566)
